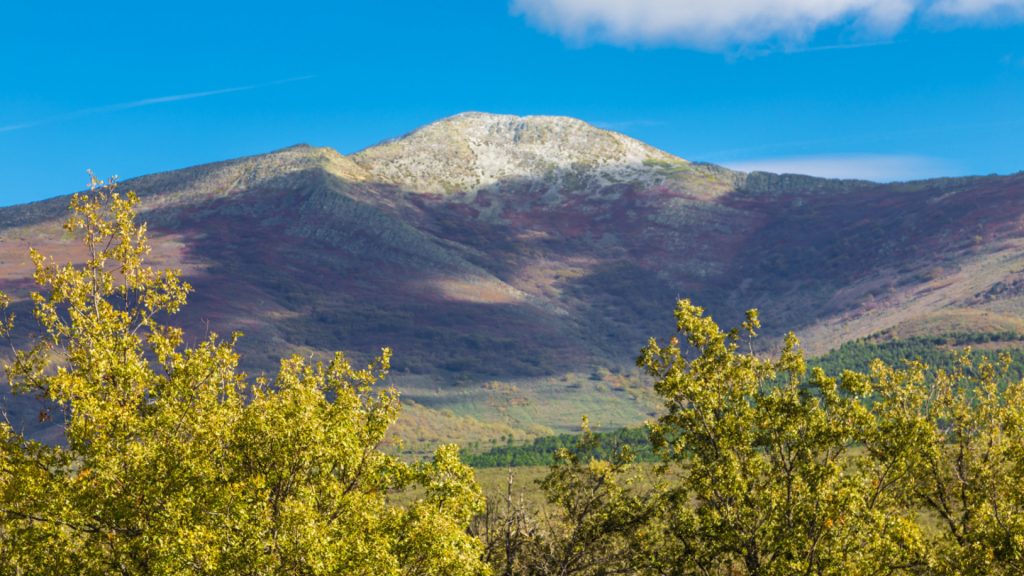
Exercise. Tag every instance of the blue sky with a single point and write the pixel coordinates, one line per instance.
(884, 89)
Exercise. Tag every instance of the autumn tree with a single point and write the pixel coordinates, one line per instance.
(176, 463)
(964, 473)
(770, 470)
(769, 482)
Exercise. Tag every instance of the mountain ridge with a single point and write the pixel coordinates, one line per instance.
(516, 292)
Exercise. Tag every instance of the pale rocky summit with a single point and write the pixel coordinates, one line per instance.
(470, 151)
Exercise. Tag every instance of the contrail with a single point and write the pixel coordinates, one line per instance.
(839, 47)
(146, 102)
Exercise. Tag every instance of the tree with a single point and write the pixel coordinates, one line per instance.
(967, 426)
(594, 509)
(177, 463)
(769, 482)
(768, 470)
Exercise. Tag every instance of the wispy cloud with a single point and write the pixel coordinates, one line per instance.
(980, 8)
(1012, 60)
(144, 102)
(875, 167)
(727, 24)
(626, 124)
(778, 149)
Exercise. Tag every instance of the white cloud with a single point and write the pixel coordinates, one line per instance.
(720, 24)
(874, 167)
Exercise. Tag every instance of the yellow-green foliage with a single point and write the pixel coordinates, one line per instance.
(176, 463)
(782, 474)
(767, 470)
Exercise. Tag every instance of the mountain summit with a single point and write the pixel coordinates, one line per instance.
(473, 150)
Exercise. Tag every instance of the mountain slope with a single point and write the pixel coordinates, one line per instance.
(516, 265)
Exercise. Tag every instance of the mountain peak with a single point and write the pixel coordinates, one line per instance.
(486, 120)
(474, 150)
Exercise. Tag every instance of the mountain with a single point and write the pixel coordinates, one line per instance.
(517, 264)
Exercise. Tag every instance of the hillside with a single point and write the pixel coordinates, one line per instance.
(516, 265)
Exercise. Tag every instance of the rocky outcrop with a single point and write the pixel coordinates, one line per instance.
(470, 151)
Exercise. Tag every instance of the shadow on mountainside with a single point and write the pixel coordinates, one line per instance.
(527, 278)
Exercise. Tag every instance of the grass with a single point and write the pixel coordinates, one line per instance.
(482, 416)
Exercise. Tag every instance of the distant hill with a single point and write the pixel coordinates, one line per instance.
(517, 264)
